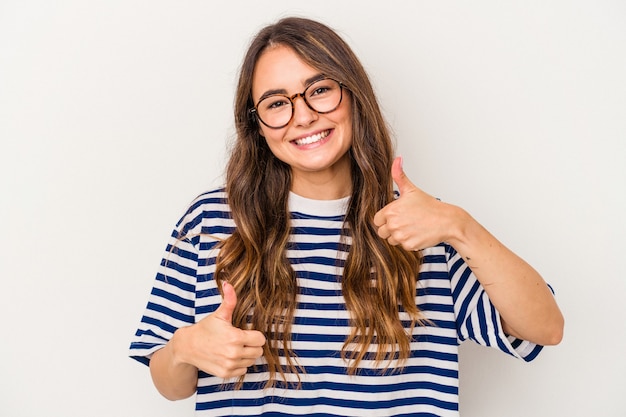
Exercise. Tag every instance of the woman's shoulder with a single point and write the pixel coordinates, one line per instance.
(216, 196)
(209, 208)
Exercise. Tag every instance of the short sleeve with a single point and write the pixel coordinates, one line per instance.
(476, 317)
(171, 303)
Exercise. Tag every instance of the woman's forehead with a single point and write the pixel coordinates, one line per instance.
(281, 68)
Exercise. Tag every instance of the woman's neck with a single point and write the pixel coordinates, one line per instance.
(332, 183)
(322, 187)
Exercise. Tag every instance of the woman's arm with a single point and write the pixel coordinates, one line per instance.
(175, 380)
(525, 303)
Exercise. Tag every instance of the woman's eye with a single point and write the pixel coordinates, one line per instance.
(322, 88)
(319, 90)
(275, 104)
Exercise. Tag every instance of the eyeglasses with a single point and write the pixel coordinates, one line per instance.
(322, 96)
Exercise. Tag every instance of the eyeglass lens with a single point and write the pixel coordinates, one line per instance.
(322, 96)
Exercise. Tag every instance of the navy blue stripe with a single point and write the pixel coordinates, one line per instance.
(470, 330)
(217, 229)
(516, 343)
(444, 292)
(418, 353)
(322, 307)
(158, 323)
(141, 359)
(496, 324)
(464, 309)
(321, 321)
(296, 215)
(440, 280)
(435, 276)
(168, 263)
(443, 308)
(201, 201)
(317, 231)
(422, 414)
(533, 353)
(482, 319)
(337, 338)
(278, 414)
(151, 334)
(206, 309)
(195, 221)
(169, 312)
(334, 246)
(320, 260)
(172, 297)
(318, 292)
(319, 400)
(207, 262)
(175, 282)
(441, 340)
(211, 292)
(207, 246)
(357, 388)
(443, 324)
(178, 251)
(434, 259)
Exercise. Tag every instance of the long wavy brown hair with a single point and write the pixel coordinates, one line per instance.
(378, 279)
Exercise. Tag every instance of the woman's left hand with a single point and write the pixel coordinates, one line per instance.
(415, 220)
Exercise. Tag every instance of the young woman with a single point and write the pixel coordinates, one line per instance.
(305, 286)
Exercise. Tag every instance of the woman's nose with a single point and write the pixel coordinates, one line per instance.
(303, 115)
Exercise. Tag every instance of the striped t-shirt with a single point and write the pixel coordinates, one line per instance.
(448, 294)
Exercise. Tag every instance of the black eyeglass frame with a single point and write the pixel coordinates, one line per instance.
(254, 111)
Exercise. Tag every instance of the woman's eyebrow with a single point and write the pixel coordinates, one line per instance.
(271, 93)
(314, 78)
(307, 82)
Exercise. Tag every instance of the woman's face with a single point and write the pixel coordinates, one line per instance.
(314, 145)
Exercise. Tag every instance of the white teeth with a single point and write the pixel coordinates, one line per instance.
(312, 139)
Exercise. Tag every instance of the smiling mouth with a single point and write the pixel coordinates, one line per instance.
(312, 139)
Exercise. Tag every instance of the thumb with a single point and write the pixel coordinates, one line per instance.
(399, 177)
(229, 301)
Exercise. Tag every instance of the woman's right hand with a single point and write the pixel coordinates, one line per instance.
(215, 346)
(212, 345)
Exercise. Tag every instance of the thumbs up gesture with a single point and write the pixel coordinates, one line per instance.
(215, 346)
(415, 220)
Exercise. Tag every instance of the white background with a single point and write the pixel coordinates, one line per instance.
(115, 114)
